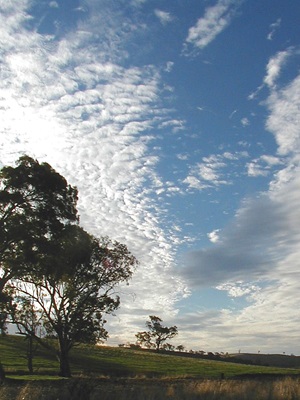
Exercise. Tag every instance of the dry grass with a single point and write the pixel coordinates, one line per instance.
(154, 389)
(284, 389)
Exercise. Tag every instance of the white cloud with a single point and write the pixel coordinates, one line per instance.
(176, 125)
(245, 121)
(283, 121)
(182, 157)
(214, 21)
(214, 236)
(254, 169)
(213, 170)
(275, 66)
(271, 160)
(262, 165)
(240, 289)
(274, 69)
(163, 16)
(53, 4)
(169, 66)
(273, 28)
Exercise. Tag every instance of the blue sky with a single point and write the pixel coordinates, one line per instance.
(178, 121)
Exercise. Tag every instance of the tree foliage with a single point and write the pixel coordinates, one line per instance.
(35, 204)
(156, 334)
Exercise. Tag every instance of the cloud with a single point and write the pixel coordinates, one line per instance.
(271, 160)
(254, 169)
(273, 28)
(169, 66)
(205, 174)
(212, 171)
(214, 21)
(53, 4)
(283, 120)
(240, 289)
(275, 66)
(245, 121)
(274, 69)
(163, 16)
(244, 250)
(214, 236)
(262, 166)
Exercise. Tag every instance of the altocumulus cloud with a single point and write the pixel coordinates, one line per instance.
(68, 100)
(216, 18)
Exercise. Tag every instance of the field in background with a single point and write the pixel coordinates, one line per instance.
(97, 361)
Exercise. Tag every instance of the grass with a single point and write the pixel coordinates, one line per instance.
(100, 361)
(113, 373)
(132, 389)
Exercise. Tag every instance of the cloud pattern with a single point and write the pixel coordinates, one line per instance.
(66, 98)
(63, 101)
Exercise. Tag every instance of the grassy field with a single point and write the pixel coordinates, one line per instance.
(110, 373)
(101, 361)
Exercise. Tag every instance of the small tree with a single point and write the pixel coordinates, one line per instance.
(29, 324)
(156, 334)
(168, 347)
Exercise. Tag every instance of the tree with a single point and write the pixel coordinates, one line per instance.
(73, 286)
(35, 204)
(168, 347)
(29, 324)
(48, 261)
(156, 334)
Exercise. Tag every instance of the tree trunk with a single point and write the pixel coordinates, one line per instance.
(30, 354)
(2, 374)
(63, 356)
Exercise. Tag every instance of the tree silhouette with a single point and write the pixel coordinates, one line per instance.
(156, 334)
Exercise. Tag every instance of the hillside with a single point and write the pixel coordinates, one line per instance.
(274, 360)
(100, 361)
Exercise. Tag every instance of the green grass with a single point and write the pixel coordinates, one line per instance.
(97, 361)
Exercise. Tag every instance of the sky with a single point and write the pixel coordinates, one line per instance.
(178, 121)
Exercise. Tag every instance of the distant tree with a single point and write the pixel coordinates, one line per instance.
(156, 334)
(35, 204)
(168, 347)
(73, 286)
(180, 348)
